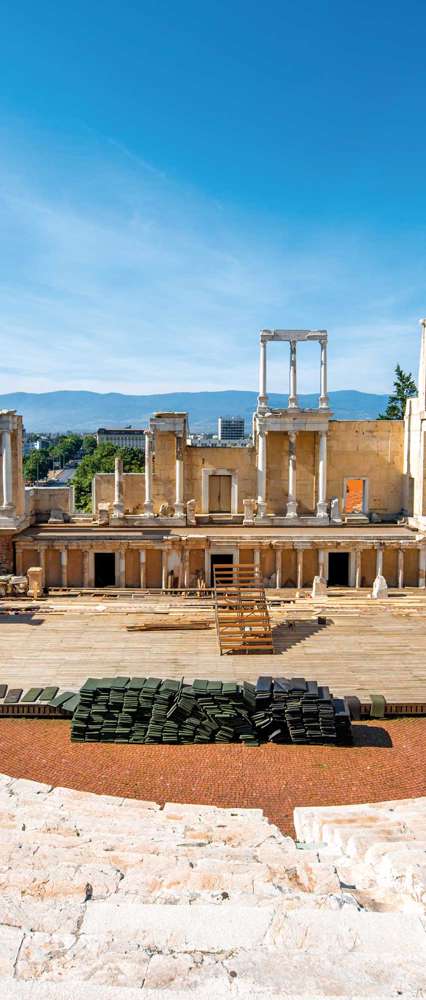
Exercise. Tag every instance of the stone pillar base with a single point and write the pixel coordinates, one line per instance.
(323, 403)
(118, 509)
(148, 509)
(261, 508)
(322, 510)
(291, 508)
(179, 510)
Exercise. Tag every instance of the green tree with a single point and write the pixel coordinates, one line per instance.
(404, 386)
(36, 465)
(66, 448)
(89, 444)
(102, 460)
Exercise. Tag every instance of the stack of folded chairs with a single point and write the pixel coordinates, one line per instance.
(150, 710)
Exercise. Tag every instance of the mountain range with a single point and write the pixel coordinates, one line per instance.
(69, 410)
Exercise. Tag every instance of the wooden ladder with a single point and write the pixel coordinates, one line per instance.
(242, 617)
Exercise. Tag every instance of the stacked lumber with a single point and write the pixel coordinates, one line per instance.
(242, 616)
(149, 710)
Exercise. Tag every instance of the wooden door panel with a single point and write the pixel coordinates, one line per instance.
(354, 496)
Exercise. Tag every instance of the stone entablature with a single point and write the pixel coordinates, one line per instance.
(291, 561)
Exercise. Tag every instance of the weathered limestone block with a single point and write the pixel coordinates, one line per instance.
(103, 513)
(335, 516)
(172, 928)
(56, 516)
(105, 960)
(166, 510)
(249, 507)
(10, 942)
(190, 513)
(380, 588)
(319, 588)
(35, 576)
(187, 973)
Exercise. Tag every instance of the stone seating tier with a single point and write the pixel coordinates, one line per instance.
(121, 897)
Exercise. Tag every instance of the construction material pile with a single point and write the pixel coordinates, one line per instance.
(149, 710)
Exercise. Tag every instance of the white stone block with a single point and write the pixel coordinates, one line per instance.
(10, 942)
(380, 588)
(180, 928)
(319, 588)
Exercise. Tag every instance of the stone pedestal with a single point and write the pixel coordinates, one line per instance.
(35, 576)
(380, 588)
(190, 513)
(103, 513)
(319, 588)
(249, 507)
(335, 516)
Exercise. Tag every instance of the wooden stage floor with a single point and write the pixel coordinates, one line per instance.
(366, 646)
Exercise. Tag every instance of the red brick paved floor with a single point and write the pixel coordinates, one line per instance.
(274, 778)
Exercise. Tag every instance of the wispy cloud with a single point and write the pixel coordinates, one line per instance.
(120, 281)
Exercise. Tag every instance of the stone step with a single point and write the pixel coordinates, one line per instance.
(234, 951)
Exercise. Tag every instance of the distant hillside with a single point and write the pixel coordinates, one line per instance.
(86, 411)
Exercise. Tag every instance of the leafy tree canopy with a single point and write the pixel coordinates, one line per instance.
(36, 465)
(102, 460)
(404, 386)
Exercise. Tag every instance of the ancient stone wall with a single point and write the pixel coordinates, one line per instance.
(133, 491)
(371, 449)
(42, 500)
(6, 552)
(240, 460)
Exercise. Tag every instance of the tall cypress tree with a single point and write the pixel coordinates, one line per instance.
(404, 386)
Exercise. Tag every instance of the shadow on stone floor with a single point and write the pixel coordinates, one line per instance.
(289, 633)
(21, 618)
(370, 736)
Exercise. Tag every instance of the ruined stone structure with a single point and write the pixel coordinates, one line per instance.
(312, 496)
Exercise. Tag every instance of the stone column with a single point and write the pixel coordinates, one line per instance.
(400, 569)
(323, 400)
(321, 562)
(64, 567)
(278, 568)
(261, 471)
(292, 501)
(186, 568)
(262, 398)
(422, 568)
(256, 558)
(292, 396)
(86, 568)
(142, 568)
(322, 476)
(148, 506)
(179, 505)
(122, 568)
(357, 569)
(164, 571)
(6, 448)
(207, 564)
(118, 487)
(379, 562)
(91, 561)
(42, 555)
(19, 561)
(299, 583)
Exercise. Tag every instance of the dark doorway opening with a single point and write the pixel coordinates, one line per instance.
(104, 569)
(220, 559)
(338, 569)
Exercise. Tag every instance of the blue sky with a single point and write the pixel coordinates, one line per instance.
(176, 176)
